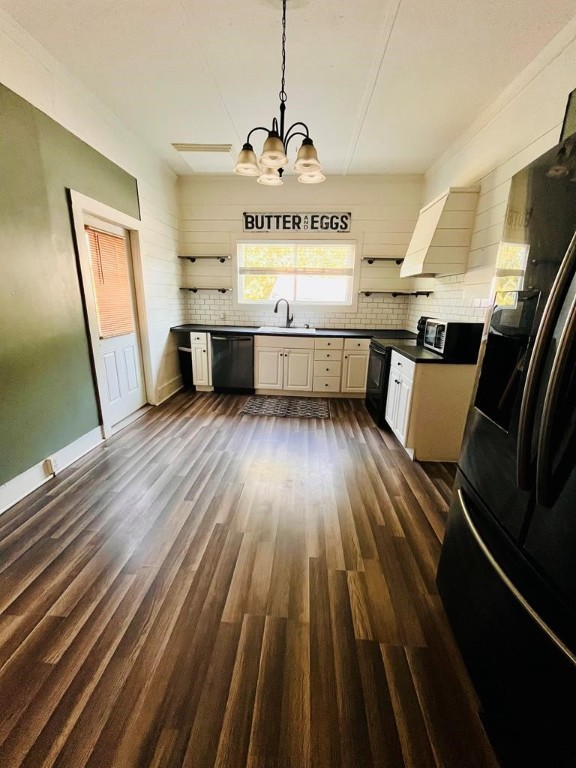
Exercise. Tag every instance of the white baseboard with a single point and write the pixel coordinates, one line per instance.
(168, 389)
(21, 485)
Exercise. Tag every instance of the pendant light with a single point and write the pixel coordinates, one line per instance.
(269, 167)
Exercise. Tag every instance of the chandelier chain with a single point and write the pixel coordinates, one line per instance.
(282, 94)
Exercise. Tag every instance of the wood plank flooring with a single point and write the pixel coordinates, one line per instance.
(209, 589)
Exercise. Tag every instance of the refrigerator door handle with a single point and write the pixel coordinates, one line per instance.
(536, 366)
(502, 575)
(563, 365)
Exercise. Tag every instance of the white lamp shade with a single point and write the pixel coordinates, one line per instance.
(307, 158)
(247, 164)
(273, 154)
(270, 177)
(311, 177)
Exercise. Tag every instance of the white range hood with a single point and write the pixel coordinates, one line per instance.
(441, 240)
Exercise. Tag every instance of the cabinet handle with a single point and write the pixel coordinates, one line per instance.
(327, 355)
(325, 385)
(399, 364)
(345, 357)
(327, 369)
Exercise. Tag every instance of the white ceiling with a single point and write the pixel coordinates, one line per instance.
(385, 86)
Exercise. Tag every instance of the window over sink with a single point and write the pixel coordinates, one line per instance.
(315, 273)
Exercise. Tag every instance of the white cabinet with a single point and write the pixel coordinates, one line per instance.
(355, 365)
(287, 367)
(427, 405)
(201, 359)
(269, 368)
(327, 364)
(298, 369)
(399, 397)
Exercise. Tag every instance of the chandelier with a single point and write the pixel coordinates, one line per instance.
(269, 167)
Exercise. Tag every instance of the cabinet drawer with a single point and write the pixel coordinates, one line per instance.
(363, 344)
(335, 343)
(327, 368)
(326, 384)
(401, 364)
(327, 354)
(280, 340)
(198, 339)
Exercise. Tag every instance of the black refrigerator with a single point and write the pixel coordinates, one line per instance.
(507, 571)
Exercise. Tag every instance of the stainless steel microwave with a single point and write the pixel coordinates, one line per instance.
(457, 342)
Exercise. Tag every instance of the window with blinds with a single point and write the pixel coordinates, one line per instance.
(111, 279)
(315, 273)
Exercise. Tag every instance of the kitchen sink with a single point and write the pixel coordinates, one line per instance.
(289, 331)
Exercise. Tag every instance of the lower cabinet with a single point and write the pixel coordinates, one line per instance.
(355, 365)
(399, 396)
(427, 405)
(201, 359)
(326, 364)
(289, 367)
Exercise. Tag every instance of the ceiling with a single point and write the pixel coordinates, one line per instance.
(385, 86)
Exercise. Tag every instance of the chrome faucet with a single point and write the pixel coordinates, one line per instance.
(288, 318)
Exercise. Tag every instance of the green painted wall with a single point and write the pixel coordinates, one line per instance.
(47, 392)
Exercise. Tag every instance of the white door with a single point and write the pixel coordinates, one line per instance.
(118, 344)
(269, 368)
(354, 371)
(403, 414)
(298, 369)
(392, 400)
(200, 369)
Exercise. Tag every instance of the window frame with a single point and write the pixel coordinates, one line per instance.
(314, 305)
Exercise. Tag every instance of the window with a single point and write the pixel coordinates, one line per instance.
(510, 271)
(304, 272)
(111, 279)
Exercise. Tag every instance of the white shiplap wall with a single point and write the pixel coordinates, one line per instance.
(28, 70)
(520, 126)
(384, 211)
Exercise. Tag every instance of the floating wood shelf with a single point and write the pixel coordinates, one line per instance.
(398, 293)
(221, 259)
(372, 259)
(195, 290)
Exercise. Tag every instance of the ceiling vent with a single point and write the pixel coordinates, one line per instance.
(441, 240)
(207, 158)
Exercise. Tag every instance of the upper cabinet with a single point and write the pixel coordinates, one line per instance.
(441, 239)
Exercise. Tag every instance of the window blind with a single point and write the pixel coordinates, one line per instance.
(111, 280)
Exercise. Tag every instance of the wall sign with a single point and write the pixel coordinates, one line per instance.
(297, 222)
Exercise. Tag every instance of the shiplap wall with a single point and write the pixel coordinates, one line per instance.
(33, 74)
(520, 126)
(384, 212)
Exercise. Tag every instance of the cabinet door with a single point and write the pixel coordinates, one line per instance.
(403, 412)
(200, 371)
(298, 369)
(354, 371)
(392, 400)
(268, 368)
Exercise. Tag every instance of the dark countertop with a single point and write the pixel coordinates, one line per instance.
(418, 353)
(349, 333)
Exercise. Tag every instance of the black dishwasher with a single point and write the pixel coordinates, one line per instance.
(233, 364)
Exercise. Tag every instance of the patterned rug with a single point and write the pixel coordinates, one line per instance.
(292, 407)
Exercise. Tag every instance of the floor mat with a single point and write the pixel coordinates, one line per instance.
(292, 407)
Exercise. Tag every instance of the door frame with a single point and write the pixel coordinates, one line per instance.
(83, 206)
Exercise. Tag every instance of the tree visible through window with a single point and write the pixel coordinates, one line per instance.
(314, 273)
(510, 270)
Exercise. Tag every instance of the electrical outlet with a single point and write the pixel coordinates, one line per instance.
(52, 465)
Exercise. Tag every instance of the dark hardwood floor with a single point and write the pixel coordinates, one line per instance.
(210, 589)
